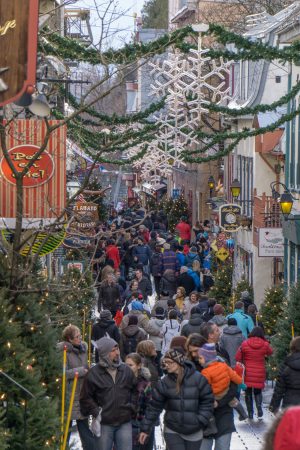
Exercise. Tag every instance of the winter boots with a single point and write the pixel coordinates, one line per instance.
(242, 413)
(249, 404)
(258, 402)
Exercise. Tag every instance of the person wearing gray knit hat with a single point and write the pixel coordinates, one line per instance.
(104, 347)
(105, 314)
(110, 388)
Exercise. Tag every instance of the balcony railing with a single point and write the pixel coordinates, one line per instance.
(266, 214)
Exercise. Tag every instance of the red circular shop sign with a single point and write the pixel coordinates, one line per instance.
(39, 173)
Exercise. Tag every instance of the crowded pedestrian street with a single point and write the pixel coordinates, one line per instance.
(149, 225)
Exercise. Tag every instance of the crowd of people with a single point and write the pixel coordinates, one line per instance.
(181, 355)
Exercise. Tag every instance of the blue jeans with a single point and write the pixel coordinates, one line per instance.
(119, 437)
(176, 442)
(221, 443)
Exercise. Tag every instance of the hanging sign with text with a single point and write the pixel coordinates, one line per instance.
(18, 41)
(44, 182)
(229, 217)
(85, 215)
(40, 172)
(271, 243)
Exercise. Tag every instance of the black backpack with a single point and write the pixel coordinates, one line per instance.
(130, 344)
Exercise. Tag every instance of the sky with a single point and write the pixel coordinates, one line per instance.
(123, 25)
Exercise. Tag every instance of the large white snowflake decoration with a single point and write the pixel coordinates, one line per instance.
(189, 83)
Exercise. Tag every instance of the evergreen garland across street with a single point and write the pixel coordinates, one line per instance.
(245, 49)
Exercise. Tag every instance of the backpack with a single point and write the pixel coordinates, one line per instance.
(130, 344)
(168, 335)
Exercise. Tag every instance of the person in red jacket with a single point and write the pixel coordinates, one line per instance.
(184, 231)
(144, 233)
(284, 432)
(252, 353)
(112, 252)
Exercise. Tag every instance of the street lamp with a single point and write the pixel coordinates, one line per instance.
(211, 183)
(235, 188)
(285, 200)
(286, 204)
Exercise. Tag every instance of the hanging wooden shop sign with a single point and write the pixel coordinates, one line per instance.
(85, 216)
(44, 193)
(39, 173)
(18, 48)
(229, 217)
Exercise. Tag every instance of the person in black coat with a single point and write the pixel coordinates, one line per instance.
(186, 281)
(103, 327)
(144, 282)
(223, 413)
(109, 296)
(168, 282)
(194, 323)
(287, 388)
(247, 300)
(155, 267)
(110, 389)
(188, 402)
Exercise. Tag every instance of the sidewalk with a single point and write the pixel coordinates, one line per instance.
(249, 434)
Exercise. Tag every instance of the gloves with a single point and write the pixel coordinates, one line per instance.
(96, 425)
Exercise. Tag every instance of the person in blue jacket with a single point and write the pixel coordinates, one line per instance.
(180, 256)
(192, 256)
(244, 322)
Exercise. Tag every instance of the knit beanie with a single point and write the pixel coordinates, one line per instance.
(244, 295)
(287, 436)
(137, 306)
(208, 351)
(218, 309)
(104, 346)
(175, 355)
(105, 314)
(178, 342)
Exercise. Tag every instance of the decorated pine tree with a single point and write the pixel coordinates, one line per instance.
(287, 326)
(174, 210)
(31, 416)
(76, 299)
(221, 290)
(4, 432)
(32, 315)
(272, 308)
(242, 285)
